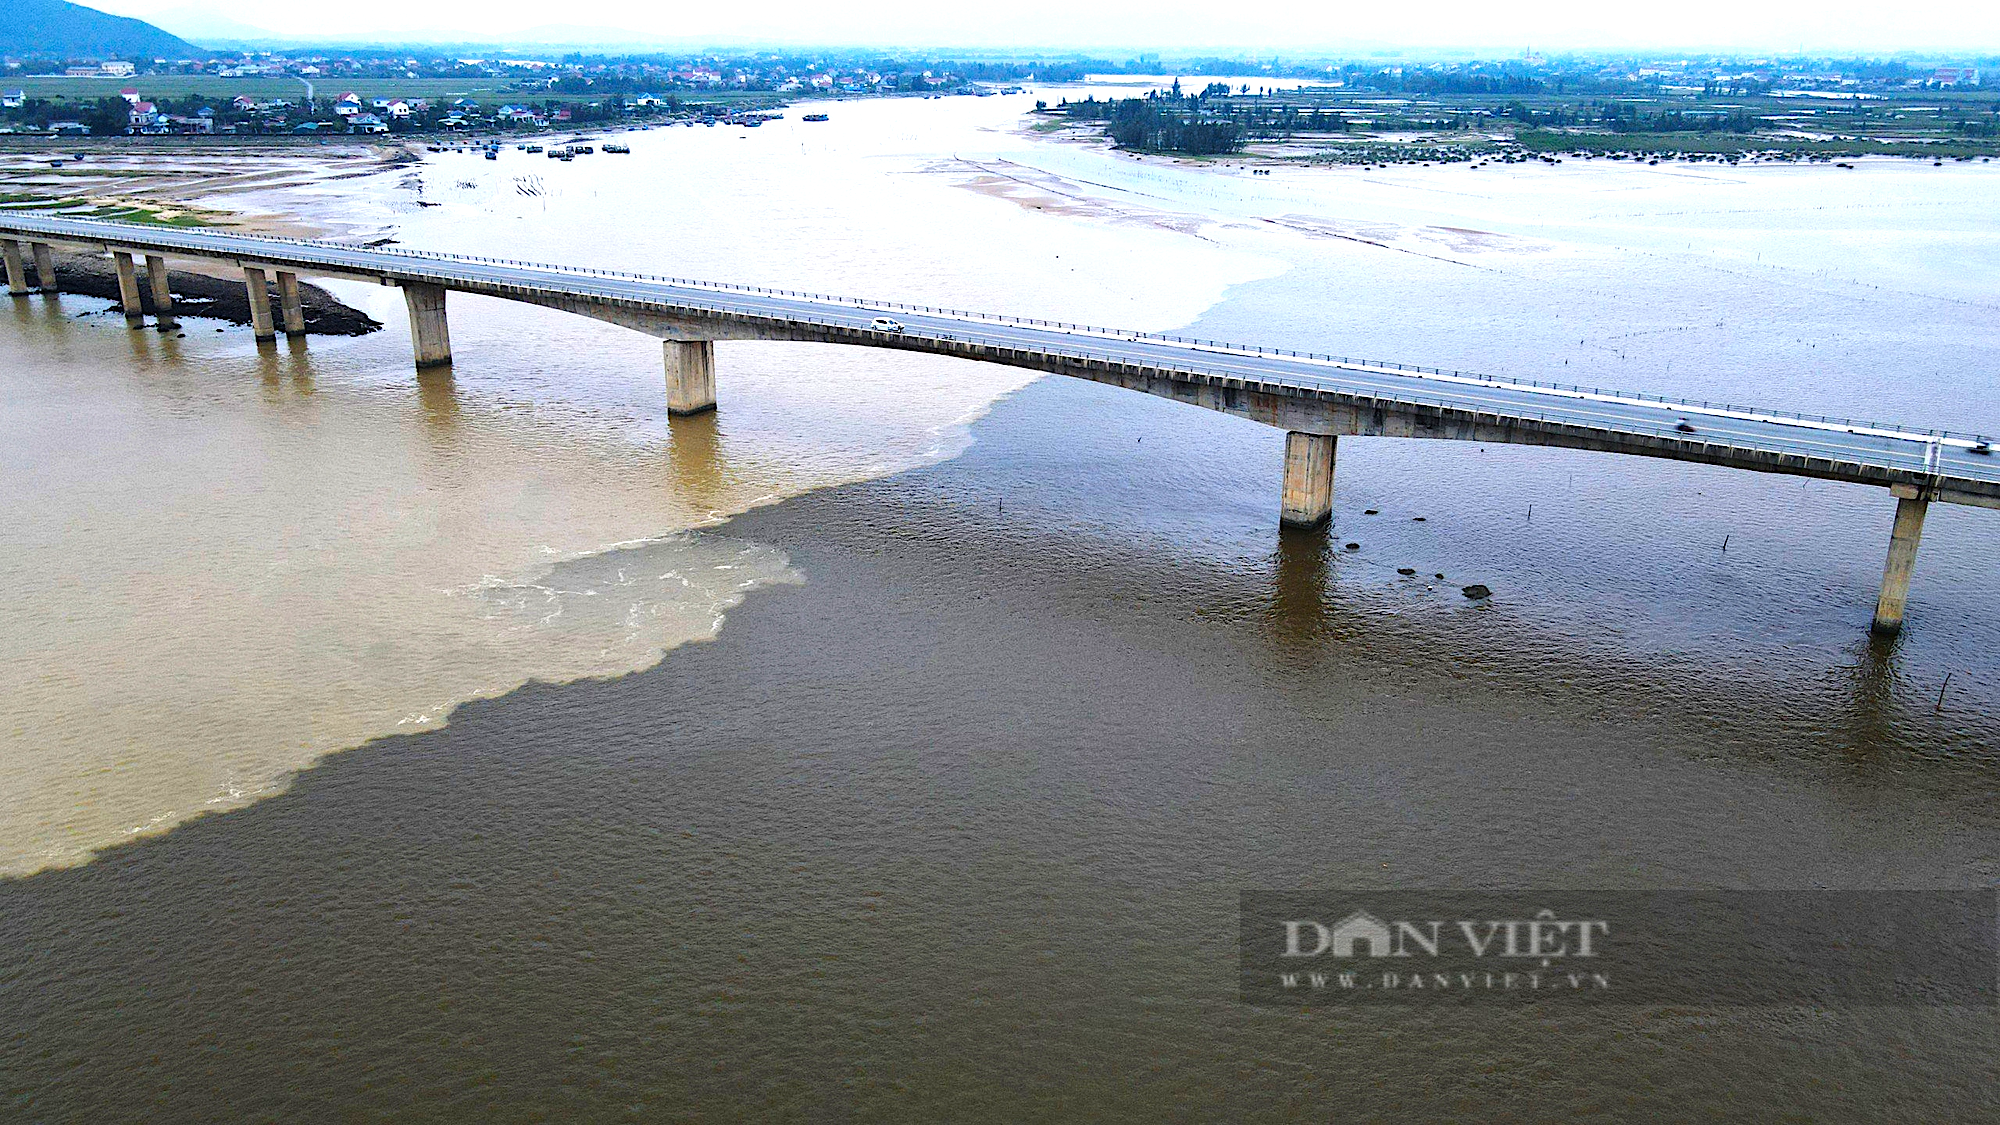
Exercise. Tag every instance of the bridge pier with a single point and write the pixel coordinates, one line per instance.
(17, 277)
(1307, 499)
(430, 335)
(291, 311)
(128, 291)
(690, 375)
(163, 297)
(45, 267)
(259, 289)
(1904, 536)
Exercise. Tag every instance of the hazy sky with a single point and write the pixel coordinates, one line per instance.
(1290, 26)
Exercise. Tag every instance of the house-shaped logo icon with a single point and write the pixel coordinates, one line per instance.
(1362, 927)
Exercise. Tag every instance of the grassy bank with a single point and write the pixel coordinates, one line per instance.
(78, 207)
(1358, 126)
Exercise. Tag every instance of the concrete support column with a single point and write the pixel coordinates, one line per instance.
(259, 290)
(163, 297)
(1308, 494)
(128, 291)
(294, 313)
(1904, 536)
(45, 267)
(430, 335)
(690, 375)
(17, 277)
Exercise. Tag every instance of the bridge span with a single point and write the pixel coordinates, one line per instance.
(1316, 399)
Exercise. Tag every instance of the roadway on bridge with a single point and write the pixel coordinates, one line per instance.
(1942, 457)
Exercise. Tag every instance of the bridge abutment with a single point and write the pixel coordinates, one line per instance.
(17, 277)
(163, 297)
(1307, 499)
(1904, 535)
(291, 311)
(690, 375)
(128, 291)
(430, 334)
(259, 289)
(45, 267)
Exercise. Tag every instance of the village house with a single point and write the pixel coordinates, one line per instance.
(201, 124)
(13, 99)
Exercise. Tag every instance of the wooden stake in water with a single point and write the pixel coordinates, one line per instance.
(1941, 687)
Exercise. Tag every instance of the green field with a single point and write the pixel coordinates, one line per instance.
(489, 90)
(486, 91)
(1944, 147)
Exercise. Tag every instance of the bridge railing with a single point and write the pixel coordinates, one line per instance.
(1184, 342)
(1208, 344)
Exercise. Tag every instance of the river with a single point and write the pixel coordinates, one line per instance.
(1006, 688)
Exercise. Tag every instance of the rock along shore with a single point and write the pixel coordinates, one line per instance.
(201, 295)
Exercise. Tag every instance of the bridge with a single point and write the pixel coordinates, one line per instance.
(1316, 399)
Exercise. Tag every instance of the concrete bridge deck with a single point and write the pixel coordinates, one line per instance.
(1315, 398)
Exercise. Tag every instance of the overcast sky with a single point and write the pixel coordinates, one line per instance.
(1122, 26)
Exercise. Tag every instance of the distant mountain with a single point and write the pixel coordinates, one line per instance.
(45, 29)
(199, 25)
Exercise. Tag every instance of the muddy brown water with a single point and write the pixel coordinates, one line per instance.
(956, 829)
